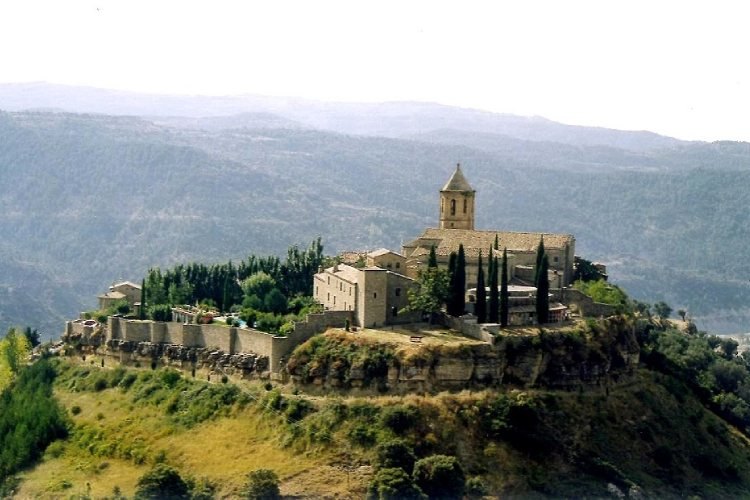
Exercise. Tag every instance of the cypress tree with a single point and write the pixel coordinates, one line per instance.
(460, 281)
(480, 308)
(433, 258)
(142, 310)
(451, 303)
(494, 293)
(540, 252)
(542, 292)
(497, 243)
(504, 298)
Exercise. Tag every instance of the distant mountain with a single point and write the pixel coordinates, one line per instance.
(89, 198)
(391, 119)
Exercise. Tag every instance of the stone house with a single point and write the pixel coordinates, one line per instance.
(375, 295)
(123, 290)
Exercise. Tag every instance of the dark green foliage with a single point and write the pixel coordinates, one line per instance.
(160, 312)
(504, 297)
(161, 482)
(432, 261)
(396, 453)
(494, 305)
(459, 290)
(142, 310)
(30, 418)
(663, 310)
(540, 253)
(584, 270)
(262, 484)
(440, 476)
(480, 308)
(542, 292)
(399, 418)
(33, 336)
(393, 484)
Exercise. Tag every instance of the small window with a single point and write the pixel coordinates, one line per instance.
(334, 300)
(453, 207)
(466, 203)
(398, 265)
(341, 286)
(316, 291)
(329, 296)
(398, 292)
(555, 259)
(389, 265)
(329, 280)
(374, 295)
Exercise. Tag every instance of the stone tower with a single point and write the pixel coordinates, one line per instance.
(457, 203)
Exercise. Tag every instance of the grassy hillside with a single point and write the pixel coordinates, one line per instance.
(651, 435)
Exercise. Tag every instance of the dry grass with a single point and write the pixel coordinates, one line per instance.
(222, 450)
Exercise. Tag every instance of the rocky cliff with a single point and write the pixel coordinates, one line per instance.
(589, 354)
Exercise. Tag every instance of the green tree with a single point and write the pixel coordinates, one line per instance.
(494, 307)
(33, 336)
(433, 289)
(504, 296)
(262, 484)
(162, 481)
(662, 309)
(440, 476)
(432, 262)
(393, 483)
(275, 302)
(142, 309)
(396, 453)
(15, 347)
(458, 284)
(259, 284)
(542, 292)
(480, 308)
(540, 253)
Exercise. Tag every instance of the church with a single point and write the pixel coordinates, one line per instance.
(375, 292)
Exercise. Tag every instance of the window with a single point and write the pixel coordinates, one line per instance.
(316, 291)
(329, 280)
(466, 202)
(398, 292)
(329, 296)
(453, 207)
(334, 300)
(389, 265)
(341, 286)
(374, 295)
(398, 265)
(556, 259)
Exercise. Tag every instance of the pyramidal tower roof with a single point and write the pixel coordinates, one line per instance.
(457, 182)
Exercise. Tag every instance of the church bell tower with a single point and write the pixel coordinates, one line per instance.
(457, 203)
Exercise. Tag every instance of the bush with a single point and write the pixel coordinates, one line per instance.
(161, 482)
(475, 487)
(262, 484)
(399, 418)
(393, 483)
(396, 453)
(75, 409)
(440, 476)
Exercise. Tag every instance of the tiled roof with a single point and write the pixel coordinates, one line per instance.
(381, 251)
(112, 295)
(448, 240)
(129, 283)
(457, 182)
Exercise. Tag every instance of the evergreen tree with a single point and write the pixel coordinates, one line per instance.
(540, 252)
(142, 310)
(494, 293)
(480, 308)
(497, 244)
(542, 292)
(451, 303)
(504, 298)
(460, 290)
(433, 258)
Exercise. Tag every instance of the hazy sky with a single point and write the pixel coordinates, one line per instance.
(679, 68)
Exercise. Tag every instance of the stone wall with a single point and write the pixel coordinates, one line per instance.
(135, 336)
(468, 326)
(585, 304)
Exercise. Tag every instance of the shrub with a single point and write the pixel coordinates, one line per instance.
(393, 483)
(75, 409)
(475, 487)
(396, 453)
(440, 476)
(161, 482)
(362, 435)
(262, 484)
(399, 418)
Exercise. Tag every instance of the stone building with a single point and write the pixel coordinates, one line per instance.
(456, 227)
(123, 290)
(375, 295)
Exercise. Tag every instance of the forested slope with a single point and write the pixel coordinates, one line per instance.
(87, 199)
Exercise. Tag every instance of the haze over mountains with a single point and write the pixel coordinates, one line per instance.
(97, 185)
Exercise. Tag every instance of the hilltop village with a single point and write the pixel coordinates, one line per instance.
(360, 291)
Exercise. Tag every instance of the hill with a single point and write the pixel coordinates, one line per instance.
(89, 198)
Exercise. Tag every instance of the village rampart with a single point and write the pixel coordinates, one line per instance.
(229, 340)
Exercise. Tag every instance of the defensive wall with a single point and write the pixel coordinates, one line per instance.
(229, 340)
